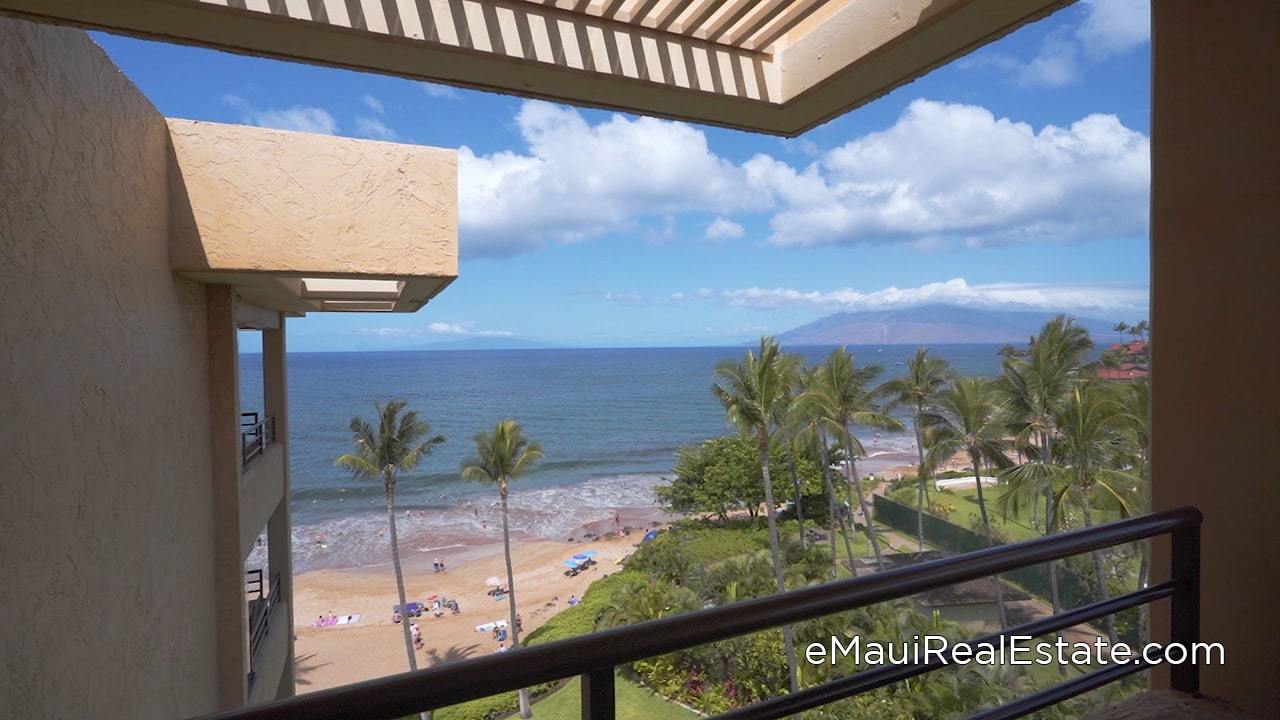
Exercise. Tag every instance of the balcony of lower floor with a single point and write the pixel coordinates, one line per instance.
(268, 637)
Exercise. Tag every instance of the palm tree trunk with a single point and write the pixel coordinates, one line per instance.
(511, 600)
(1046, 448)
(1103, 592)
(923, 492)
(795, 481)
(986, 529)
(855, 482)
(836, 524)
(525, 710)
(395, 563)
(788, 637)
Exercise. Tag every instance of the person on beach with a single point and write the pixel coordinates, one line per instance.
(573, 600)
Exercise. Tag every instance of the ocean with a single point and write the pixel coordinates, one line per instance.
(609, 420)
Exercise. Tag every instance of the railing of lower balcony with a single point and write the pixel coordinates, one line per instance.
(255, 435)
(260, 615)
(594, 657)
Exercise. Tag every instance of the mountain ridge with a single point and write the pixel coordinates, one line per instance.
(935, 324)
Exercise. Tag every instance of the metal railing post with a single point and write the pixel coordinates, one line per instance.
(597, 695)
(1184, 609)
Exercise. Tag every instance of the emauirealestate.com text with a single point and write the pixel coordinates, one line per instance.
(1011, 650)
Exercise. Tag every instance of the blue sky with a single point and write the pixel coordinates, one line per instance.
(1015, 177)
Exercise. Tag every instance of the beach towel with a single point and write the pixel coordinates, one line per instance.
(349, 620)
(488, 627)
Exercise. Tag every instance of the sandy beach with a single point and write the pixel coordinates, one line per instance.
(332, 656)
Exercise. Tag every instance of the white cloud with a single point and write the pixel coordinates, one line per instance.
(1111, 27)
(374, 128)
(575, 180)
(1056, 64)
(436, 90)
(723, 229)
(622, 297)
(1042, 296)
(373, 104)
(1107, 28)
(393, 332)
(299, 118)
(442, 328)
(949, 171)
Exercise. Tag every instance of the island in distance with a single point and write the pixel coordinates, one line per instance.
(934, 325)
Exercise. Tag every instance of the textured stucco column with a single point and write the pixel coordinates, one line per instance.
(1215, 260)
(228, 571)
(279, 529)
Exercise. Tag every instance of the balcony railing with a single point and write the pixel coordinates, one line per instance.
(595, 656)
(255, 435)
(260, 614)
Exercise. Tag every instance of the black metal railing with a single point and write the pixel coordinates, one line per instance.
(595, 657)
(255, 435)
(260, 616)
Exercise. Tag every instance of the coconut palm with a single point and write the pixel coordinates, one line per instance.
(851, 403)
(754, 393)
(970, 419)
(1089, 424)
(791, 407)
(812, 416)
(917, 389)
(396, 446)
(1035, 385)
(501, 457)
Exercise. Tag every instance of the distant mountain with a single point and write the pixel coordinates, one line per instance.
(933, 324)
(484, 343)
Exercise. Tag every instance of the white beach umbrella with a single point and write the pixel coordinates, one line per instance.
(493, 582)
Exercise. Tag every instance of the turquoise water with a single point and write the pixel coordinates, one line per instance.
(610, 422)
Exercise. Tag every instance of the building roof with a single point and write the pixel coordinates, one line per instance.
(774, 66)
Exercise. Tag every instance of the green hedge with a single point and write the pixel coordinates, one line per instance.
(955, 539)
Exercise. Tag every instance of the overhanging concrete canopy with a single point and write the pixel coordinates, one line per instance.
(773, 66)
(303, 223)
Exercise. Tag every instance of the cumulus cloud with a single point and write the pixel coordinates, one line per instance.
(300, 118)
(957, 291)
(950, 171)
(1107, 28)
(442, 328)
(576, 180)
(437, 90)
(723, 229)
(374, 128)
(1111, 27)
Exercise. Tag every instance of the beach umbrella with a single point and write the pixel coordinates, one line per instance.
(588, 553)
(572, 562)
(581, 558)
(493, 581)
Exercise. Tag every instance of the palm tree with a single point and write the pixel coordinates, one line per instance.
(754, 394)
(970, 419)
(812, 415)
(1035, 385)
(396, 446)
(1121, 328)
(791, 407)
(1090, 422)
(925, 378)
(851, 403)
(502, 457)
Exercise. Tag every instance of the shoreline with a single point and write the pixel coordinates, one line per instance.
(332, 656)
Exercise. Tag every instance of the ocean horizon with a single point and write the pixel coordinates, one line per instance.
(610, 421)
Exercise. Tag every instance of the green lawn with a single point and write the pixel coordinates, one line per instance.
(634, 702)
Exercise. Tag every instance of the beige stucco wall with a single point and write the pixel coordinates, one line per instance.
(1215, 262)
(275, 201)
(106, 528)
